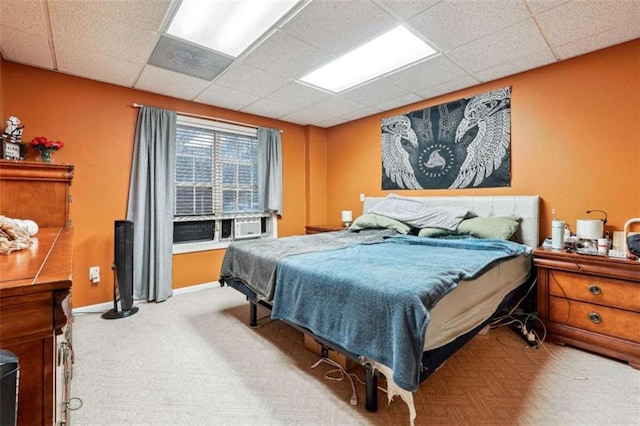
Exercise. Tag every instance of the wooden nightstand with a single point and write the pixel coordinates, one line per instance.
(316, 229)
(590, 302)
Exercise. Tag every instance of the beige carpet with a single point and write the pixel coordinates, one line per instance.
(192, 360)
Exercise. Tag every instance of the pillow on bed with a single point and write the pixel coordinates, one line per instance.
(497, 228)
(418, 214)
(370, 220)
(434, 232)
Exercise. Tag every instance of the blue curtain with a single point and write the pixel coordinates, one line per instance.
(150, 205)
(270, 170)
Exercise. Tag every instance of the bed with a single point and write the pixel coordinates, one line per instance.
(412, 281)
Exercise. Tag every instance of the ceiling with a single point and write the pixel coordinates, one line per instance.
(113, 41)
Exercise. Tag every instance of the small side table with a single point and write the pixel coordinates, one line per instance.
(316, 229)
(590, 302)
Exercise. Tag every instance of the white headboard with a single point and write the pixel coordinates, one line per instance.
(523, 206)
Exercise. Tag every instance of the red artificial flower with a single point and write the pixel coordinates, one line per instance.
(41, 143)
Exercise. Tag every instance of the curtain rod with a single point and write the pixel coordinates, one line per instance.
(206, 117)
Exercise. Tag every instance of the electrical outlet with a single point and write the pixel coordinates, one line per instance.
(362, 196)
(94, 274)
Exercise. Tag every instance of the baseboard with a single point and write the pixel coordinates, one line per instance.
(101, 307)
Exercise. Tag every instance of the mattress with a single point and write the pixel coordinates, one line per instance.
(474, 301)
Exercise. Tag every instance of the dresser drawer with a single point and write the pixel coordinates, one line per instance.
(23, 316)
(596, 318)
(602, 291)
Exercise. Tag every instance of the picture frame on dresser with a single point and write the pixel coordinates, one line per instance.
(590, 302)
(12, 150)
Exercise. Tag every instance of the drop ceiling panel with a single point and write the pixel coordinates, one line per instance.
(534, 60)
(299, 95)
(76, 28)
(94, 66)
(448, 87)
(576, 20)
(479, 40)
(251, 80)
(225, 97)
(338, 27)
(598, 41)
(502, 47)
(396, 103)
(364, 112)
(406, 9)
(431, 72)
(335, 106)
(143, 14)
(307, 116)
(537, 6)
(158, 80)
(25, 48)
(453, 23)
(268, 108)
(25, 16)
(284, 55)
(328, 123)
(375, 92)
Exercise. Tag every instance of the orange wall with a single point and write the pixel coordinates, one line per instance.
(1, 97)
(575, 141)
(96, 121)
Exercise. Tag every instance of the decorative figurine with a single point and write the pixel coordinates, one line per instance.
(11, 140)
(13, 132)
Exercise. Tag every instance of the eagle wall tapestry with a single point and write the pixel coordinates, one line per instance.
(460, 144)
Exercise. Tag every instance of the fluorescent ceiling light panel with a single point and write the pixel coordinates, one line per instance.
(390, 51)
(227, 26)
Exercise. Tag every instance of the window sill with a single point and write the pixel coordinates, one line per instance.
(185, 248)
(199, 246)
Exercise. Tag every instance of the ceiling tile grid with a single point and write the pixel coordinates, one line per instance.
(477, 41)
(76, 28)
(337, 27)
(27, 48)
(507, 45)
(450, 24)
(225, 97)
(251, 79)
(169, 83)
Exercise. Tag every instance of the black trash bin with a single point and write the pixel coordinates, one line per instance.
(9, 370)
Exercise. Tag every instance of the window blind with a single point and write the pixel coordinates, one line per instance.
(216, 170)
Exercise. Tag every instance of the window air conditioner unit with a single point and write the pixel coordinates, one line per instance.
(247, 228)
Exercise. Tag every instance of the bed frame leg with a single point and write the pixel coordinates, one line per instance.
(253, 314)
(371, 403)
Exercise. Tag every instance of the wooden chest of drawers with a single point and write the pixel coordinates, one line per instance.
(590, 302)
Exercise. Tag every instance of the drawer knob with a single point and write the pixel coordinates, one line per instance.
(594, 289)
(595, 317)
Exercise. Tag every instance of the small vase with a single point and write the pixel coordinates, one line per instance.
(45, 154)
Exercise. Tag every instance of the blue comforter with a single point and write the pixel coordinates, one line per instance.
(373, 299)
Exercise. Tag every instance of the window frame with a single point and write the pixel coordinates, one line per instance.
(269, 222)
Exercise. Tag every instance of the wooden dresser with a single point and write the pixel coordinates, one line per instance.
(590, 302)
(35, 287)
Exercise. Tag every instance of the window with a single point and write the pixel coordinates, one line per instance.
(216, 186)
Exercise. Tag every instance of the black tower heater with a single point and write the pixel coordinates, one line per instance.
(122, 272)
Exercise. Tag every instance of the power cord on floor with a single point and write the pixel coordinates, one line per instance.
(522, 327)
(342, 373)
(538, 340)
(527, 350)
